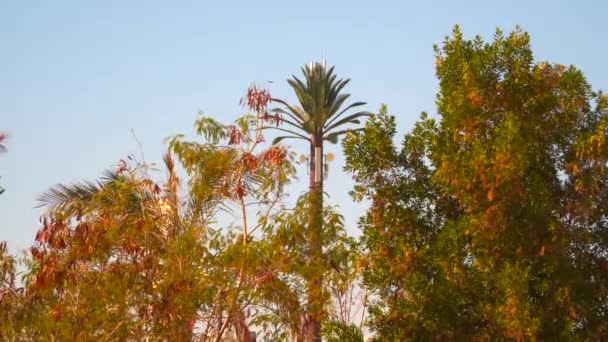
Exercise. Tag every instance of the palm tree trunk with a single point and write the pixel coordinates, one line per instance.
(315, 226)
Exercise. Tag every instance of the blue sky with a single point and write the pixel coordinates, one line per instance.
(76, 77)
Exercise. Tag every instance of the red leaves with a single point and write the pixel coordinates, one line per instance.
(236, 137)
(53, 234)
(276, 118)
(122, 167)
(131, 247)
(273, 156)
(250, 162)
(474, 98)
(49, 272)
(36, 254)
(256, 99)
(239, 191)
(42, 236)
(51, 238)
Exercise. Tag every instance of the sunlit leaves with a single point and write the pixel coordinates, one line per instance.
(492, 222)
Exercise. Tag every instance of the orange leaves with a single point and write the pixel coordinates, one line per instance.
(572, 168)
(53, 234)
(49, 272)
(491, 194)
(542, 250)
(274, 155)
(36, 254)
(474, 98)
(250, 162)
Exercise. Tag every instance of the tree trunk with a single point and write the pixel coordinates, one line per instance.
(314, 284)
(242, 332)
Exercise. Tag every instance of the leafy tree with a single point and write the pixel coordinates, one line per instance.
(490, 223)
(284, 285)
(11, 295)
(129, 258)
(318, 118)
(336, 331)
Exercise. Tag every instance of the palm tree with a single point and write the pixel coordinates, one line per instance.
(317, 119)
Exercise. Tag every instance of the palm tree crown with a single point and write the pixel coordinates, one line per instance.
(320, 114)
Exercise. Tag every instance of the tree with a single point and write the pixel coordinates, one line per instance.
(492, 222)
(11, 295)
(284, 285)
(125, 257)
(319, 118)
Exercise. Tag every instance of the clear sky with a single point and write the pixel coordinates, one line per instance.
(76, 77)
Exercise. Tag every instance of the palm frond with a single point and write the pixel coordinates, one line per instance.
(281, 138)
(295, 118)
(66, 196)
(349, 119)
(287, 131)
(335, 106)
(351, 106)
(321, 101)
(336, 90)
(295, 110)
(291, 123)
(333, 137)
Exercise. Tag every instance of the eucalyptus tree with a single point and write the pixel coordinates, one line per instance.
(319, 117)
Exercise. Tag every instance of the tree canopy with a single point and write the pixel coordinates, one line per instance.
(487, 221)
(490, 220)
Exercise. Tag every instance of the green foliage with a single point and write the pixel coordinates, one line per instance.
(128, 258)
(11, 305)
(288, 248)
(491, 222)
(318, 119)
(334, 331)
